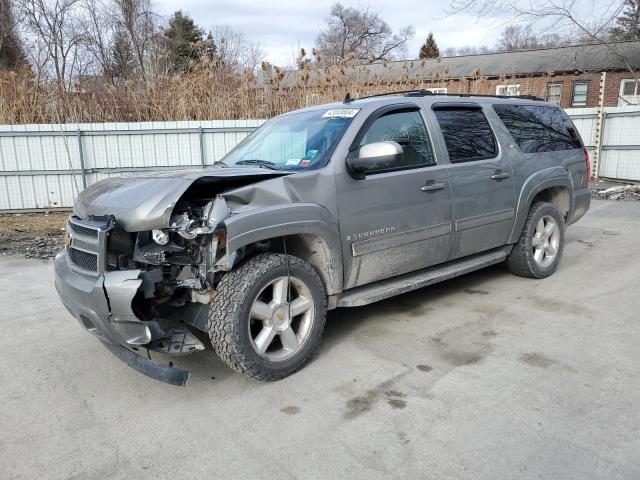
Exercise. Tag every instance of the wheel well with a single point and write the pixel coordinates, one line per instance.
(311, 248)
(559, 197)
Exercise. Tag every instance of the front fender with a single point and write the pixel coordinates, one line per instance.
(539, 181)
(323, 249)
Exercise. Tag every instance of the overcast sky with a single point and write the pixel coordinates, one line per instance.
(280, 26)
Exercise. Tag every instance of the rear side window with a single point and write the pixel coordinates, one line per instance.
(467, 134)
(538, 128)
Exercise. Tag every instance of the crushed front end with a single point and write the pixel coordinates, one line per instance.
(142, 292)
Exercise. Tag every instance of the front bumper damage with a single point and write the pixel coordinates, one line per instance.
(103, 306)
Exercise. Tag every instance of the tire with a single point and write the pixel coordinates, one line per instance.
(525, 258)
(247, 313)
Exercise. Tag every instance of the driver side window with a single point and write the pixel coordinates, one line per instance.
(407, 129)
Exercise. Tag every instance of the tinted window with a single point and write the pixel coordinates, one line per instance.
(467, 134)
(538, 129)
(407, 129)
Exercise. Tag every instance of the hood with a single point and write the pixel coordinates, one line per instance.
(145, 201)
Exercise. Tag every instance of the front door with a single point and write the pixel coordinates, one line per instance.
(481, 179)
(399, 219)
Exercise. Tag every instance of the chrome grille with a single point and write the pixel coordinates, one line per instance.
(84, 260)
(86, 247)
(84, 231)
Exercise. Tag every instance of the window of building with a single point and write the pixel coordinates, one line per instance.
(508, 90)
(538, 129)
(554, 93)
(467, 134)
(579, 94)
(406, 128)
(437, 90)
(629, 93)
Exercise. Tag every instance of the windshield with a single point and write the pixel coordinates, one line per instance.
(300, 141)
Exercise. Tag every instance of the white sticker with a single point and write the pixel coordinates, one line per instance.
(341, 113)
(293, 161)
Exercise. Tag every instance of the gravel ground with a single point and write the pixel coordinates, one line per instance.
(618, 192)
(32, 235)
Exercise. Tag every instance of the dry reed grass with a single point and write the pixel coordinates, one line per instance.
(210, 92)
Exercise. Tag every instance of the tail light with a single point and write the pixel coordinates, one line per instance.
(587, 177)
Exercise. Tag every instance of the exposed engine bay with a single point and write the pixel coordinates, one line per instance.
(179, 266)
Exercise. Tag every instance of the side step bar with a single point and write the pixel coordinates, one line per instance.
(377, 291)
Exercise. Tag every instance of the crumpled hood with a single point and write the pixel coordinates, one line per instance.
(145, 201)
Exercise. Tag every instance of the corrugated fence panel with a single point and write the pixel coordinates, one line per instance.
(585, 121)
(41, 166)
(620, 139)
(621, 143)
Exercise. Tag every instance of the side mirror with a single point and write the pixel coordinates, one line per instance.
(374, 156)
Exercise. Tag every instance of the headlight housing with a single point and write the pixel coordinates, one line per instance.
(160, 237)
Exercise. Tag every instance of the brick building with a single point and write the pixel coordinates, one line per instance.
(572, 76)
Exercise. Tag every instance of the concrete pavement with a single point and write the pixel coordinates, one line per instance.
(486, 376)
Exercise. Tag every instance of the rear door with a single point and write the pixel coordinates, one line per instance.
(481, 178)
(397, 220)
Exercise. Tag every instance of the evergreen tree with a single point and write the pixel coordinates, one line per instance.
(123, 60)
(430, 48)
(628, 23)
(210, 50)
(181, 35)
(11, 53)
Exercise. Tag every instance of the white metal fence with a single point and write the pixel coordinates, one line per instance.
(615, 146)
(44, 166)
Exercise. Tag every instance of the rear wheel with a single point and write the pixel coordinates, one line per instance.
(268, 315)
(538, 252)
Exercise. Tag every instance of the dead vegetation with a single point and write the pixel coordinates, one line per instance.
(212, 92)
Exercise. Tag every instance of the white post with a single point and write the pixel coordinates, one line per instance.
(597, 148)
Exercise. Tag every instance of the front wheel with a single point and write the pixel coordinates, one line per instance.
(268, 315)
(538, 252)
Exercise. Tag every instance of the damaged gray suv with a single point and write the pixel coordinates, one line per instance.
(337, 205)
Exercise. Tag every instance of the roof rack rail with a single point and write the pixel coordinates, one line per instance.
(424, 92)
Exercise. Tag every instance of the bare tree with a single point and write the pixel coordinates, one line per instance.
(554, 16)
(100, 26)
(141, 23)
(467, 50)
(233, 50)
(57, 27)
(517, 37)
(360, 34)
(449, 52)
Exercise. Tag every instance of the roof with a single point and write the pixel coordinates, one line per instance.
(582, 58)
(369, 104)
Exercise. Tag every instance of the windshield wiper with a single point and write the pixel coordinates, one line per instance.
(260, 163)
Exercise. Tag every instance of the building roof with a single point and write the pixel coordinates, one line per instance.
(580, 58)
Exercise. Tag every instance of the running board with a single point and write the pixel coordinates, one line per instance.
(377, 291)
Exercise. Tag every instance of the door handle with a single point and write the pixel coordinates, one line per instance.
(500, 176)
(433, 186)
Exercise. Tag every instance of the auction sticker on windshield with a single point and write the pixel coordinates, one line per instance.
(341, 113)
